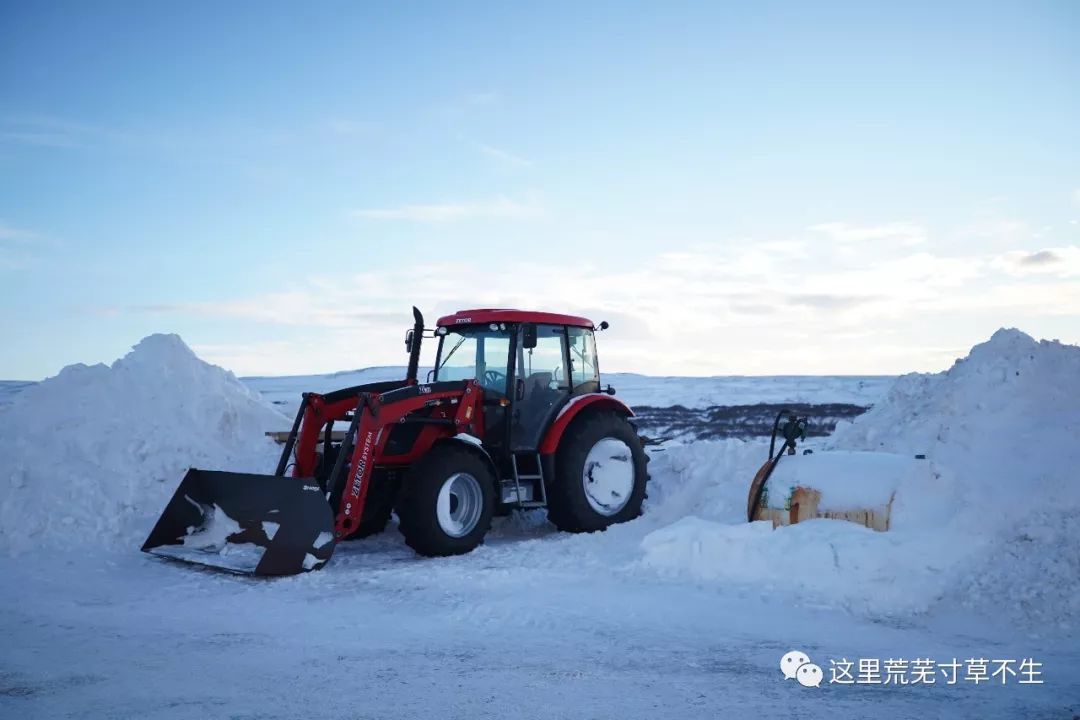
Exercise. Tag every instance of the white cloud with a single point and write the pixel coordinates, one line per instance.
(343, 126)
(12, 261)
(723, 307)
(13, 247)
(503, 156)
(40, 139)
(52, 132)
(14, 234)
(272, 357)
(483, 98)
(499, 208)
(1056, 261)
(998, 232)
(303, 308)
(901, 233)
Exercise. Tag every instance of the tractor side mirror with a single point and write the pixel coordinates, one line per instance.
(528, 336)
(408, 340)
(604, 325)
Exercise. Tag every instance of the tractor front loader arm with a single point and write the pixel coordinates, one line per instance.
(375, 414)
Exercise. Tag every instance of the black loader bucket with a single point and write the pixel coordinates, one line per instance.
(252, 524)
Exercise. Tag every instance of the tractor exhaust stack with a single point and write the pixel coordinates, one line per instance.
(414, 346)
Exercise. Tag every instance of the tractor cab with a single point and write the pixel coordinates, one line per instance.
(529, 364)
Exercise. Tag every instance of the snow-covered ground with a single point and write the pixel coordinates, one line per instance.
(703, 392)
(682, 613)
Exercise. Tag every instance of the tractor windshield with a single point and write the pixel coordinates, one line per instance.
(586, 374)
(475, 352)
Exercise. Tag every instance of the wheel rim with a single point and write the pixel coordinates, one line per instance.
(608, 476)
(460, 504)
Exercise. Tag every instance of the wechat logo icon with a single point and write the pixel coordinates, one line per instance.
(796, 665)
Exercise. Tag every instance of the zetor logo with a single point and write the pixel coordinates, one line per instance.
(423, 389)
(463, 321)
(361, 465)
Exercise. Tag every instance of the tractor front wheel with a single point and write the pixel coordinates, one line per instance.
(448, 502)
(600, 474)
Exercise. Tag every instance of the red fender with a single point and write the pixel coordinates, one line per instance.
(592, 401)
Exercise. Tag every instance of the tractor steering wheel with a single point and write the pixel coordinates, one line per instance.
(494, 380)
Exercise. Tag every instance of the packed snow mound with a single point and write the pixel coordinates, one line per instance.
(995, 526)
(94, 453)
(846, 479)
(1006, 419)
(1003, 387)
(697, 499)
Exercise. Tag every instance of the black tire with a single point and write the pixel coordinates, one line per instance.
(417, 510)
(378, 506)
(568, 507)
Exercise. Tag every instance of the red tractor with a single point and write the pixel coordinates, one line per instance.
(511, 416)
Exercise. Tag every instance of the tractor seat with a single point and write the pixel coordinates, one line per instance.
(538, 381)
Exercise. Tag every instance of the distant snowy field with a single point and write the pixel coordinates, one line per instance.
(681, 408)
(634, 389)
(693, 393)
(683, 613)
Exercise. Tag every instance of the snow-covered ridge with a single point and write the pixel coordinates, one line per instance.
(10, 388)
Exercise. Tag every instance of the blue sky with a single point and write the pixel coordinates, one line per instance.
(739, 188)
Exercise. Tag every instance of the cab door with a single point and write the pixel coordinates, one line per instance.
(493, 373)
(541, 383)
(481, 353)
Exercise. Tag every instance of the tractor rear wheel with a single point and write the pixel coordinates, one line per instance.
(448, 501)
(600, 474)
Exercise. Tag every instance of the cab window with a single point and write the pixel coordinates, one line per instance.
(475, 353)
(544, 365)
(583, 367)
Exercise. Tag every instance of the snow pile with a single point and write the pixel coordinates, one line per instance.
(93, 454)
(698, 496)
(1007, 420)
(994, 526)
(708, 479)
(847, 480)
